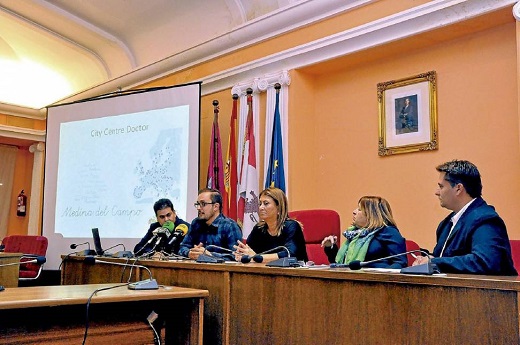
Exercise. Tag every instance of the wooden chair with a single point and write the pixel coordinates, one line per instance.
(31, 247)
(317, 224)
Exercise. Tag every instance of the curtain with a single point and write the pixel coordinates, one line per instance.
(8, 159)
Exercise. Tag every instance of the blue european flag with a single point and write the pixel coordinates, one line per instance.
(275, 172)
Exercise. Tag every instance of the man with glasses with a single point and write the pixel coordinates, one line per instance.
(210, 227)
(164, 212)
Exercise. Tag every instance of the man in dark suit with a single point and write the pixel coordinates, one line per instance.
(473, 238)
(164, 212)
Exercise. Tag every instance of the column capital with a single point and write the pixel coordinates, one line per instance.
(516, 11)
(37, 147)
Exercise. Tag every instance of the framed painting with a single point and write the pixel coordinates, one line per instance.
(408, 114)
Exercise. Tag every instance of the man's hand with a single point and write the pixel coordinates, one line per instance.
(421, 260)
(196, 251)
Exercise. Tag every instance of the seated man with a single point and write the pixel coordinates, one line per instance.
(210, 227)
(473, 238)
(164, 212)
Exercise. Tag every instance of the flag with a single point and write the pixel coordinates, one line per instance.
(230, 169)
(275, 172)
(215, 167)
(248, 190)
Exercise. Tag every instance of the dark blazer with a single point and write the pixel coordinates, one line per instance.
(478, 244)
(386, 242)
(144, 247)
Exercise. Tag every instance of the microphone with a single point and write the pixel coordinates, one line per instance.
(427, 268)
(39, 260)
(213, 246)
(178, 234)
(259, 258)
(212, 259)
(165, 229)
(163, 232)
(120, 254)
(85, 252)
(148, 284)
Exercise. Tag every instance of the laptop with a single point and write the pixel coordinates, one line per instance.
(97, 241)
(100, 252)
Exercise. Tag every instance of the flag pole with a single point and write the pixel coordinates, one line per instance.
(215, 146)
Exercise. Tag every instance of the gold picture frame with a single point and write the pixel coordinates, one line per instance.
(408, 114)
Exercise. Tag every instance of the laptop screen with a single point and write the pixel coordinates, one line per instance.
(97, 241)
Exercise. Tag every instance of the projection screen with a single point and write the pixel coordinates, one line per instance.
(109, 159)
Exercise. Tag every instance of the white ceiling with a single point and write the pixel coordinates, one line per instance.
(84, 43)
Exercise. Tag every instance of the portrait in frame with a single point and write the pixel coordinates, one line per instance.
(408, 114)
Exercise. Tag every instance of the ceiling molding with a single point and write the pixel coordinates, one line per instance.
(405, 24)
(250, 33)
(61, 37)
(22, 133)
(92, 28)
(15, 110)
(430, 16)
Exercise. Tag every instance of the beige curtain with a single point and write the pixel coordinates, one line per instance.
(7, 164)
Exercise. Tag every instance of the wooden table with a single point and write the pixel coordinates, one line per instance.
(117, 315)
(9, 274)
(254, 304)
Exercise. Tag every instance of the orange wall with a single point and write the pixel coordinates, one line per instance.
(22, 180)
(333, 128)
(478, 121)
(23, 170)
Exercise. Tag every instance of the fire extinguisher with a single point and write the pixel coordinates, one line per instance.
(22, 204)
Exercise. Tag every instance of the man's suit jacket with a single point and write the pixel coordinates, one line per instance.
(478, 244)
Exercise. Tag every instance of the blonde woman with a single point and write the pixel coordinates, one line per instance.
(373, 235)
(275, 229)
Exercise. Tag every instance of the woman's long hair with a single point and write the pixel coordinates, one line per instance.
(378, 212)
(281, 204)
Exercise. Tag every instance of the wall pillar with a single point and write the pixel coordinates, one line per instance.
(35, 201)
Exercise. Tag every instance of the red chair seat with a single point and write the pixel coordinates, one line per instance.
(317, 224)
(411, 245)
(28, 245)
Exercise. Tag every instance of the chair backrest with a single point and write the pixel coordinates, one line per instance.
(317, 224)
(26, 244)
(411, 245)
(515, 253)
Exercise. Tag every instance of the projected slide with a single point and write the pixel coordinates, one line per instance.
(112, 169)
(110, 158)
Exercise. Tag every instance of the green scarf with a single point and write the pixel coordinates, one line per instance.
(355, 249)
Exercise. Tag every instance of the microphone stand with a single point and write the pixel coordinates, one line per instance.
(147, 284)
(85, 252)
(120, 254)
(425, 269)
(287, 261)
(209, 259)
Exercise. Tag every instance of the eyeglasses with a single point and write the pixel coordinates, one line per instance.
(202, 204)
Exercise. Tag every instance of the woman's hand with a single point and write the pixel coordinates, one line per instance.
(329, 241)
(242, 249)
